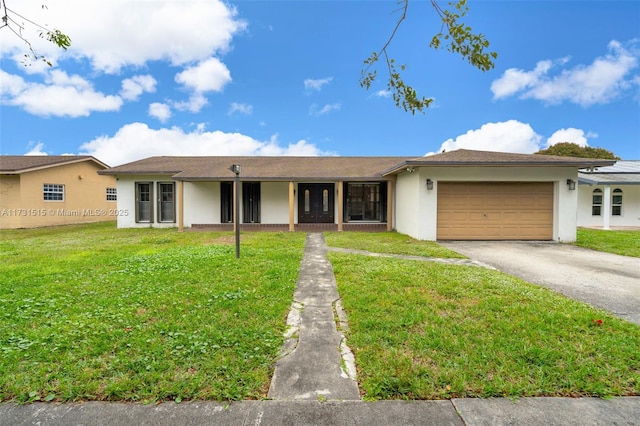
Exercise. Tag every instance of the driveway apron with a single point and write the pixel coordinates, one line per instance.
(315, 369)
(604, 280)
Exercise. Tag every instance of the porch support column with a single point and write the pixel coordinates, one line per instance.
(606, 207)
(180, 205)
(340, 205)
(292, 226)
(390, 201)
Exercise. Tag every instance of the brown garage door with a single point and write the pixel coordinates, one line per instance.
(495, 211)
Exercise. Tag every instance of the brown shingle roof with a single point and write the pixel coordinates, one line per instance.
(12, 164)
(465, 157)
(261, 168)
(324, 168)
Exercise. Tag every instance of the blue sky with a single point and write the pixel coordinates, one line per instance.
(152, 77)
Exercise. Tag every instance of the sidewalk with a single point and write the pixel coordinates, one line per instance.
(457, 412)
(314, 384)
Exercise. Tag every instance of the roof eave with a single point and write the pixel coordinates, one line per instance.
(138, 173)
(72, 160)
(413, 163)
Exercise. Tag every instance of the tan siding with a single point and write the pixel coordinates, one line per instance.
(495, 211)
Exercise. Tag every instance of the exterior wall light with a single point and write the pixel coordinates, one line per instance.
(429, 184)
(571, 184)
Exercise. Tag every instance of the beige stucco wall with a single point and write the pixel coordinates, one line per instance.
(22, 204)
(416, 212)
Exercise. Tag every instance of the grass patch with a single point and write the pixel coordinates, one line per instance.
(432, 331)
(388, 242)
(626, 243)
(91, 312)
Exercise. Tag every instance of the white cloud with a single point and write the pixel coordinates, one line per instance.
(383, 93)
(160, 111)
(245, 109)
(12, 85)
(572, 135)
(514, 80)
(300, 148)
(195, 103)
(506, 136)
(316, 84)
(135, 86)
(317, 111)
(37, 149)
(512, 136)
(210, 75)
(61, 95)
(119, 36)
(136, 141)
(122, 33)
(605, 79)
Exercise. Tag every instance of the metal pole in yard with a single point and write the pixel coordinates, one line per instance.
(236, 216)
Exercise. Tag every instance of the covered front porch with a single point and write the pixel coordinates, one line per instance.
(301, 227)
(286, 206)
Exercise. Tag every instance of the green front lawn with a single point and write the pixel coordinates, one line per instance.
(92, 312)
(423, 330)
(388, 242)
(626, 243)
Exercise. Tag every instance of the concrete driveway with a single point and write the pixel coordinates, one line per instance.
(603, 280)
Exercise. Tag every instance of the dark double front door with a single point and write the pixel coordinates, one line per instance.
(316, 203)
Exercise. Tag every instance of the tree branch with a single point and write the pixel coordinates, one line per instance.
(460, 39)
(55, 36)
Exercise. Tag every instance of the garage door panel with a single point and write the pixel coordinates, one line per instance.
(495, 210)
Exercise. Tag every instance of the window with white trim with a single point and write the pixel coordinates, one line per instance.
(53, 192)
(616, 202)
(144, 202)
(112, 194)
(596, 202)
(166, 202)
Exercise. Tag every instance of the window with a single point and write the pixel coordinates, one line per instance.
(53, 192)
(251, 202)
(596, 203)
(166, 202)
(226, 202)
(616, 202)
(144, 206)
(112, 194)
(365, 201)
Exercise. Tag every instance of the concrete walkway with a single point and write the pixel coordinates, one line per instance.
(313, 366)
(314, 384)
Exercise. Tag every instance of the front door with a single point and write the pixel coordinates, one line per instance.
(315, 203)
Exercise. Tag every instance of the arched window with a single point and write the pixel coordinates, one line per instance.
(616, 202)
(596, 203)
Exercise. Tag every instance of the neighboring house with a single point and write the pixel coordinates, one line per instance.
(610, 196)
(461, 194)
(54, 190)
